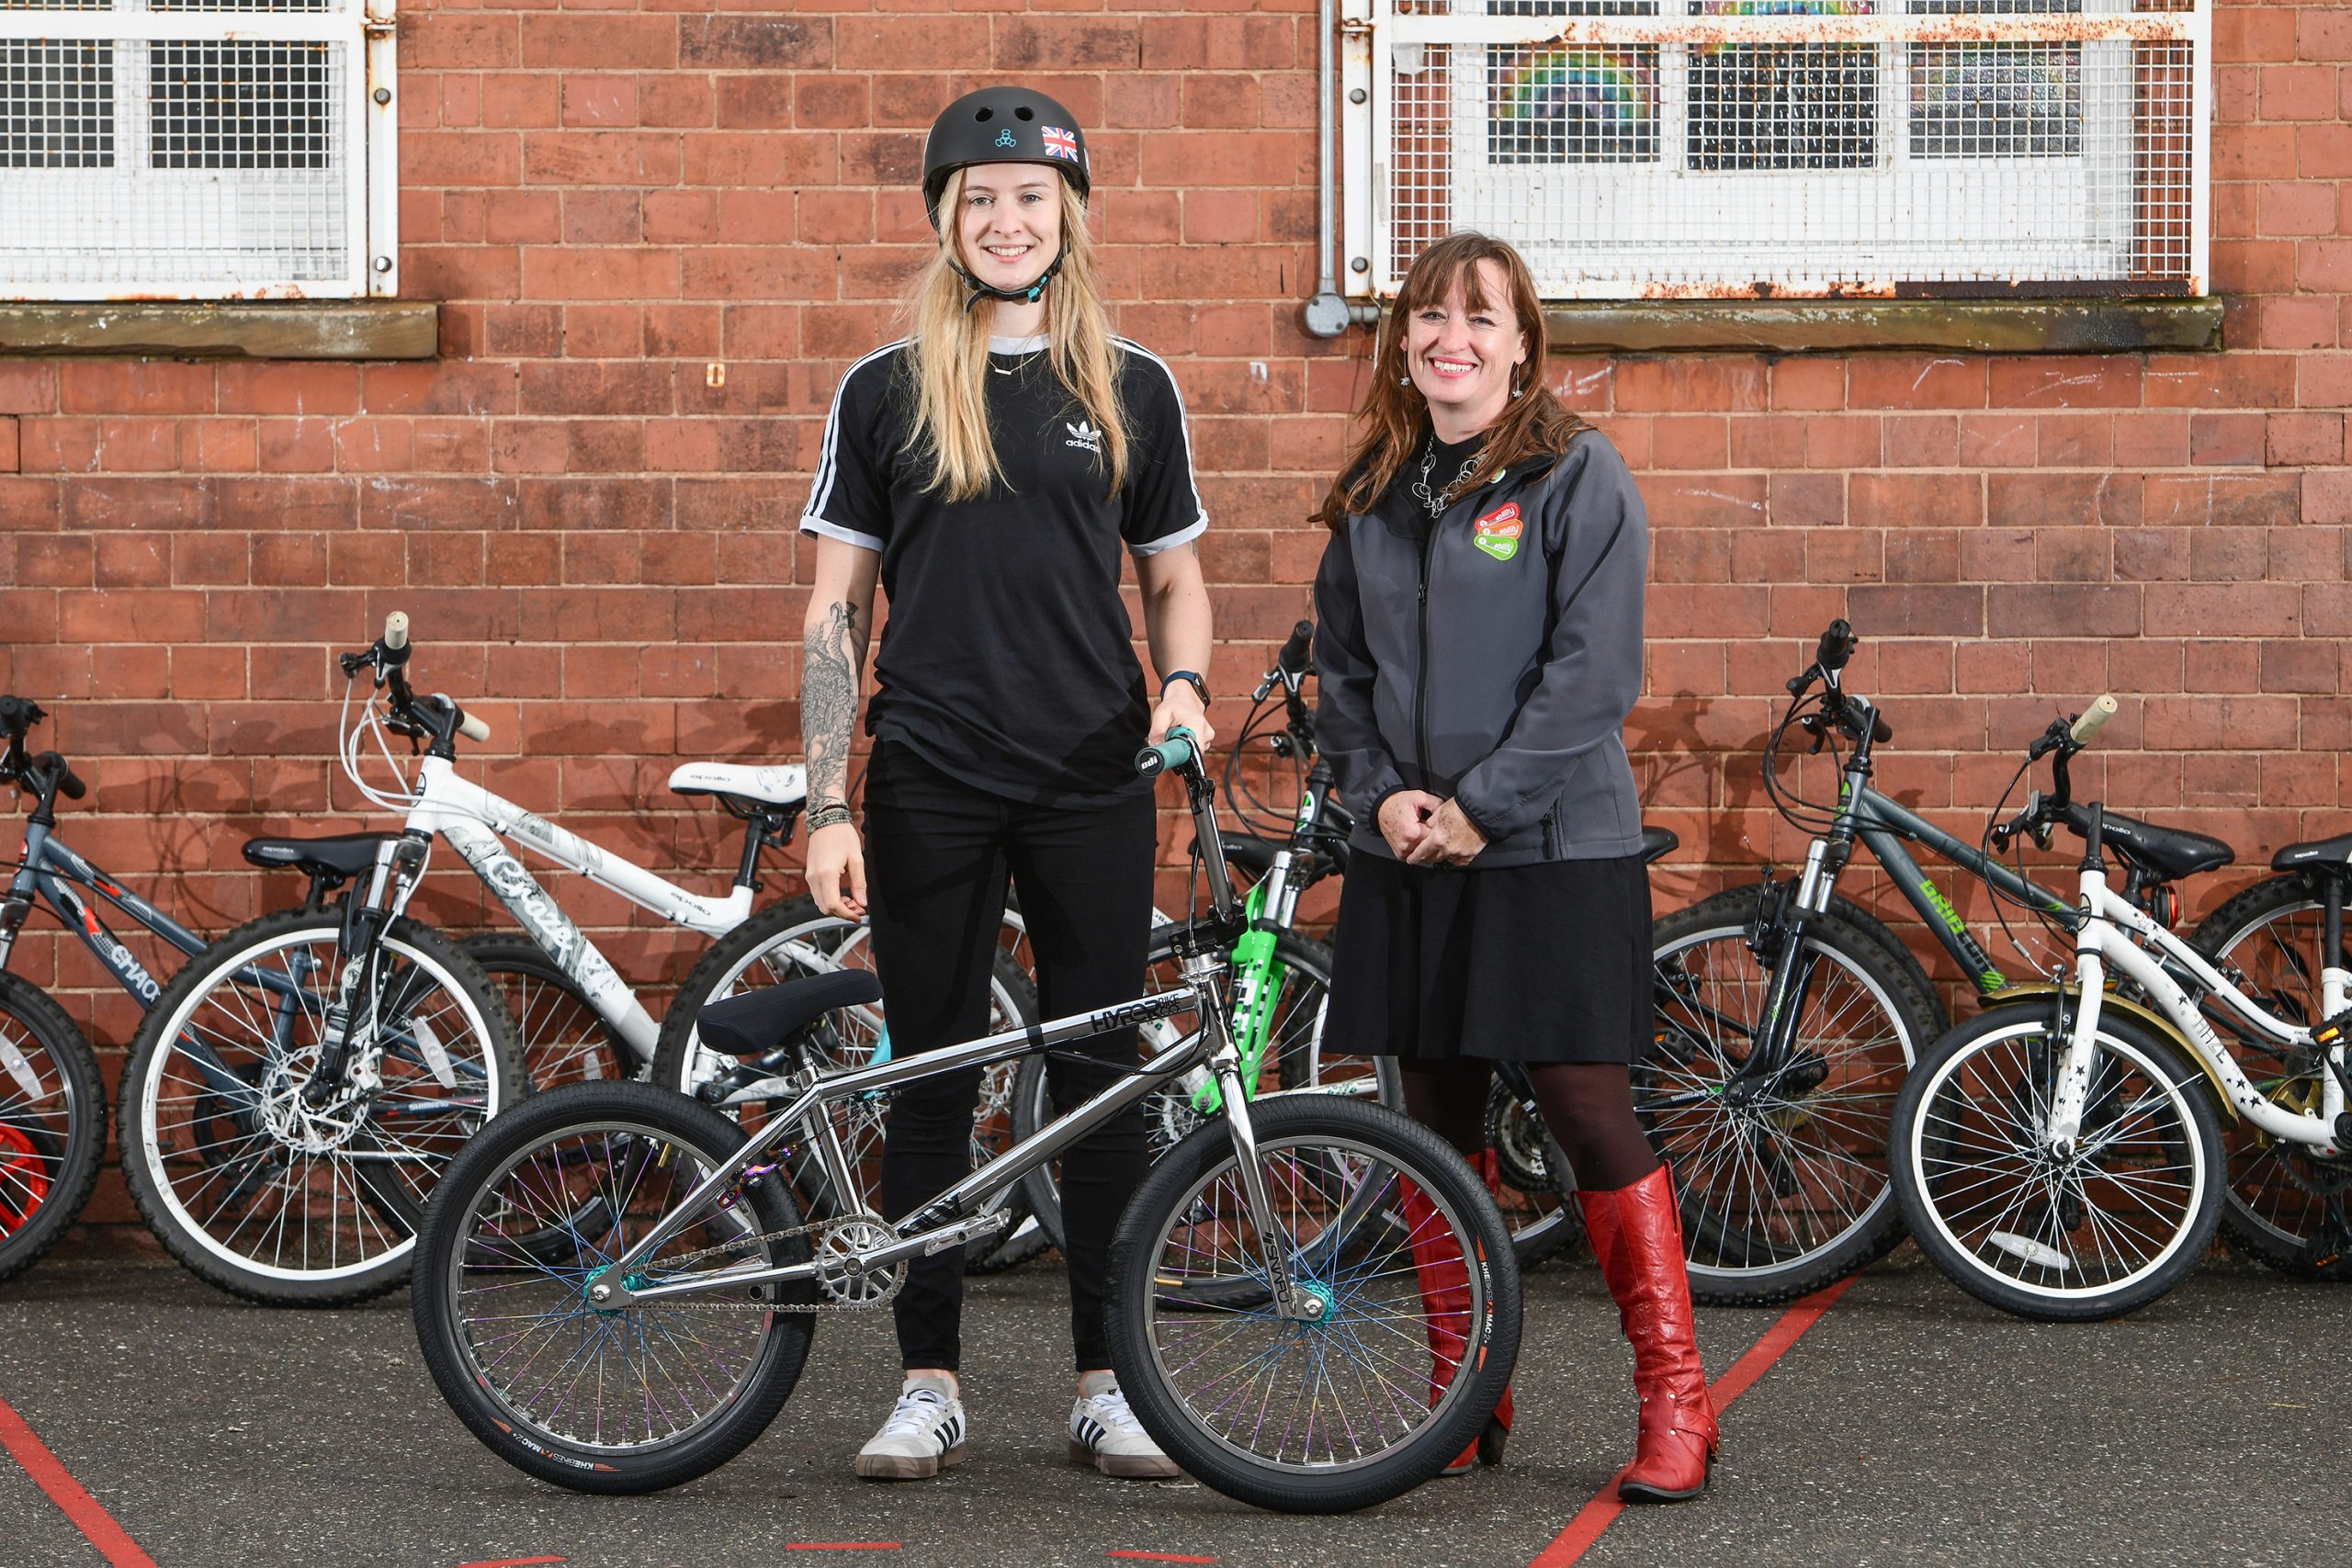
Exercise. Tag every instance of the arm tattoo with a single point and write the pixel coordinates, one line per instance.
(830, 658)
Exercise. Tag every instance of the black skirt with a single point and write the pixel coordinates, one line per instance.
(1547, 963)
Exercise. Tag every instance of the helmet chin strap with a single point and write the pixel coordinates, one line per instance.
(1024, 296)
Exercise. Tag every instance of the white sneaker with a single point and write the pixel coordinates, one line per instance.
(1104, 1433)
(923, 1435)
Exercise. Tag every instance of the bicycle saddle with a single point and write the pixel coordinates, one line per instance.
(340, 856)
(2175, 852)
(760, 1021)
(1658, 842)
(2320, 854)
(787, 786)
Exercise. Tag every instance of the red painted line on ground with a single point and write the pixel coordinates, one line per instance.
(1601, 1512)
(1162, 1557)
(513, 1561)
(842, 1546)
(95, 1524)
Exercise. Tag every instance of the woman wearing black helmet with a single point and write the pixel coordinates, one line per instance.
(988, 470)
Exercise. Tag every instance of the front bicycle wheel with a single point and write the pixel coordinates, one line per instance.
(1295, 1060)
(1780, 1167)
(2084, 1234)
(2278, 1207)
(1415, 1327)
(626, 1400)
(52, 1123)
(255, 1185)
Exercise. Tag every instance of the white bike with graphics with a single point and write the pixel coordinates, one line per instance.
(2060, 1157)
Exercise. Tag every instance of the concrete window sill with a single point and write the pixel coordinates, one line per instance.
(344, 329)
(1844, 326)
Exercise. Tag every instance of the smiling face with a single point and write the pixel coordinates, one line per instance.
(1461, 353)
(1009, 222)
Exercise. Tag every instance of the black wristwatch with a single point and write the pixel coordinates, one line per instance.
(1191, 675)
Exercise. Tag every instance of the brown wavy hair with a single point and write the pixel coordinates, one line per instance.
(1396, 417)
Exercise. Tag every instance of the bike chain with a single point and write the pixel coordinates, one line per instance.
(897, 1270)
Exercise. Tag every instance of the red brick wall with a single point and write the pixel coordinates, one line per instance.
(597, 545)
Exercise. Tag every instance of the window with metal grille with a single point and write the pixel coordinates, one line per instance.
(1694, 148)
(197, 149)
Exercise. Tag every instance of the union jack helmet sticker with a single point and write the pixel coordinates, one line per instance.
(1059, 143)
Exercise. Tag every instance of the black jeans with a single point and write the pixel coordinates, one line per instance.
(938, 852)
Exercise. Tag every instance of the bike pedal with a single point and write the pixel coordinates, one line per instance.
(2333, 1031)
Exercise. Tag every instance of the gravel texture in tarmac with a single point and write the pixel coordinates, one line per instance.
(1909, 1426)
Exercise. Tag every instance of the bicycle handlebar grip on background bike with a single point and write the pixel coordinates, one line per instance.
(472, 728)
(1837, 646)
(2098, 713)
(1173, 752)
(1292, 659)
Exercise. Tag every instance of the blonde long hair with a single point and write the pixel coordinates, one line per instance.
(950, 355)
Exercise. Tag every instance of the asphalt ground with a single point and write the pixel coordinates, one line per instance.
(1907, 1424)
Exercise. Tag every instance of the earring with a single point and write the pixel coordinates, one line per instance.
(1404, 380)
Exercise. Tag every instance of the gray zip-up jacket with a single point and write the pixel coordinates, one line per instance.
(1492, 658)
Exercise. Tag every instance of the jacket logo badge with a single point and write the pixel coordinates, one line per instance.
(1498, 532)
(1085, 438)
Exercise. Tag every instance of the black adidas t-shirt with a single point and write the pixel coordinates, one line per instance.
(1008, 657)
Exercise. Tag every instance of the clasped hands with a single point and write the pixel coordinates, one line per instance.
(1423, 829)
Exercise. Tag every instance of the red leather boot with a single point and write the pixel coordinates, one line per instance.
(1445, 1277)
(1637, 1234)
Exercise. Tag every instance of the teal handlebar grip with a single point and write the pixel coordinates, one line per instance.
(1173, 752)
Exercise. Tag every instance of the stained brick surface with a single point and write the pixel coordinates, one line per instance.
(597, 543)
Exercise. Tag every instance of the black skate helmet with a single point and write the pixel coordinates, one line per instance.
(1002, 125)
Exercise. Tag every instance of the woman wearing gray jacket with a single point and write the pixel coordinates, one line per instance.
(1479, 647)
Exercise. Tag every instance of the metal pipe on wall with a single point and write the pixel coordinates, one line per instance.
(1326, 315)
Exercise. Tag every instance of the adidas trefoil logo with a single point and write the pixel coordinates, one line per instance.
(1084, 436)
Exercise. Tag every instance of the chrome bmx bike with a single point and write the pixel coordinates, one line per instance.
(1312, 1302)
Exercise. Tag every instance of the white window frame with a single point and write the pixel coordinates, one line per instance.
(365, 123)
(1379, 34)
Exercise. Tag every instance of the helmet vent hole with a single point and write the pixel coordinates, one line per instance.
(985, 115)
(1024, 112)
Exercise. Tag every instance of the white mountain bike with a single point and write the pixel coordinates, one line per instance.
(2057, 1157)
(292, 1095)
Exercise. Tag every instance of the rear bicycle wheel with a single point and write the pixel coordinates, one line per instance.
(52, 1122)
(1417, 1331)
(563, 1038)
(1781, 1176)
(620, 1401)
(2276, 1208)
(2090, 1234)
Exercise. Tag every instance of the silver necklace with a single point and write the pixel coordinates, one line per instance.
(1438, 503)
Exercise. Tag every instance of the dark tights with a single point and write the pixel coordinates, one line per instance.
(1587, 1108)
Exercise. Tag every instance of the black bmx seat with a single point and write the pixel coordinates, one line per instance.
(1658, 843)
(2175, 852)
(760, 1020)
(337, 855)
(2321, 854)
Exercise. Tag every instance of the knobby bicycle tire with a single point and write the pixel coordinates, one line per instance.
(229, 1130)
(52, 1136)
(1786, 1192)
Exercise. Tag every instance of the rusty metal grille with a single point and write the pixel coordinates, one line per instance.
(1667, 148)
(189, 149)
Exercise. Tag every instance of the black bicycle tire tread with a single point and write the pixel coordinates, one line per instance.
(388, 1277)
(1164, 1186)
(2245, 1235)
(1723, 912)
(2093, 1310)
(777, 1207)
(69, 1192)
